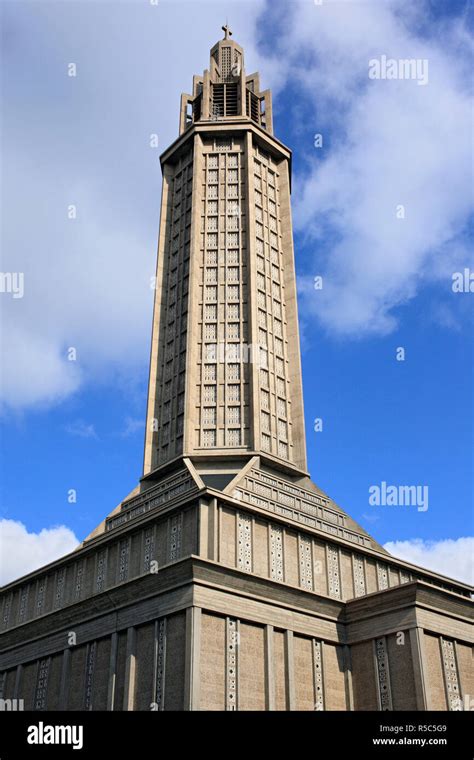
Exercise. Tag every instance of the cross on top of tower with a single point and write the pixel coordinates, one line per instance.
(227, 32)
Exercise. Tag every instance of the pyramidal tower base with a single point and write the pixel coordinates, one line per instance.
(227, 580)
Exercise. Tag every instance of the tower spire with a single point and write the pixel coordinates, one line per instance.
(225, 92)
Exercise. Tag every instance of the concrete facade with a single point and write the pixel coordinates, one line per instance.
(227, 580)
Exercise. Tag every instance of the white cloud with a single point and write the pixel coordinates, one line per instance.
(451, 557)
(34, 373)
(22, 552)
(386, 143)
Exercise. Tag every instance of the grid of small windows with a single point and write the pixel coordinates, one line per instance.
(233, 393)
(211, 257)
(23, 605)
(274, 421)
(7, 606)
(233, 415)
(41, 688)
(234, 437)
(209, 438)
(40, 593)
(210, 294)
(124, 554)
(223, 380)
(211, 274)
(210, 331)
(60, 587)
(175, 291)
(210, 373)
(233, 331)
(208, 415)
(210, 394)
(233, 292)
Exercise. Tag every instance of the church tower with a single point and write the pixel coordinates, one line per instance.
(227, 580)
(225, 379)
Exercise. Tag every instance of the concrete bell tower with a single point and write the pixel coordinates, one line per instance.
(225, 378)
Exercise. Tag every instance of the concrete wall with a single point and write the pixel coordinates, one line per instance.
(80, 576)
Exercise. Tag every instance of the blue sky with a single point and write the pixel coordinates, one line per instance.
(387, 281)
